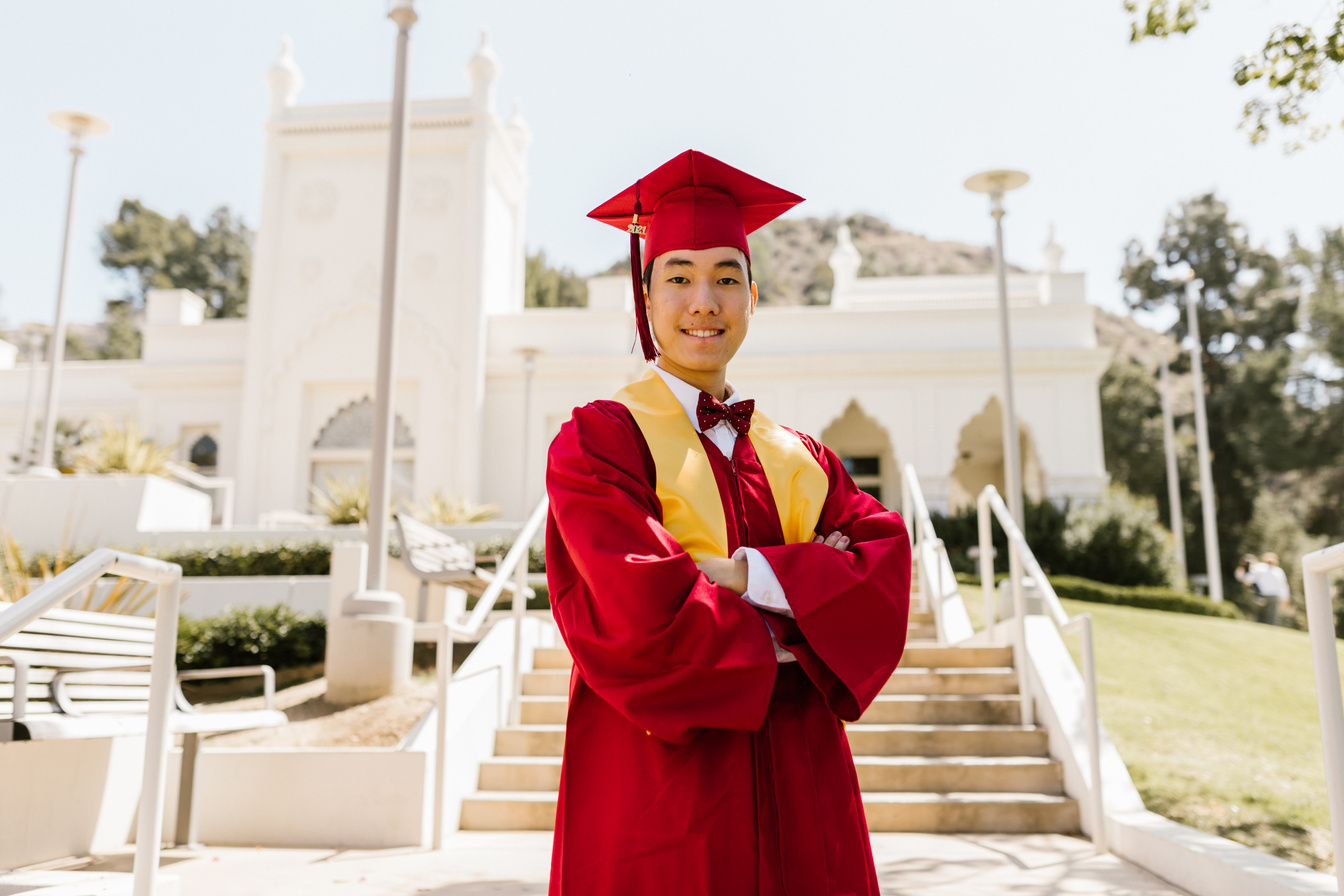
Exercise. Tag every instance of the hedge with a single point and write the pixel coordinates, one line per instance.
(1143, 596)
(276, 636)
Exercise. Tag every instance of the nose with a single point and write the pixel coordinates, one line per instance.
(702, 299)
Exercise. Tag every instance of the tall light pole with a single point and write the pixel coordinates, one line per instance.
(1206, 497)
(402, 12)
(33, 339)
(996, 183)
(1173, 480)
(529, 368)
(78, 125)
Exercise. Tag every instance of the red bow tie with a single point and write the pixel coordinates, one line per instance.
(710, 412)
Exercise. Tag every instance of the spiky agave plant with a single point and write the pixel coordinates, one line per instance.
(122, 448)
(342, 501)
(440, 508)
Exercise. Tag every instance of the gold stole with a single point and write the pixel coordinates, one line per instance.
(692, 509)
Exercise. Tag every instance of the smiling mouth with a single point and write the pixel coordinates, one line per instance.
(703, 333)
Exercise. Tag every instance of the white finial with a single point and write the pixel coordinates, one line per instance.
(844, 261)
(1052, 253)
(483, 71)
(284, 78)
(518, 129)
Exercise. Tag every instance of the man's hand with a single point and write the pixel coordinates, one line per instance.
(726, 572)
(835, 540)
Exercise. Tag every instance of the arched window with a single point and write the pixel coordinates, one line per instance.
(343, 449)
(204, 454)
(980, 459)
(865, 449)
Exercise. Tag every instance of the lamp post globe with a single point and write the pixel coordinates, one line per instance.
(995, 183)
(79, 125)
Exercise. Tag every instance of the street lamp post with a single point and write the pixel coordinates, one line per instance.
(33, 339)
(1173, 481)
(402, 12)
(529, 368)
(78, 125)
(1212, 560)
(996, 183)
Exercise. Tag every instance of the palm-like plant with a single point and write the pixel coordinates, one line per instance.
(122, 448)
(342, 501)
(440, 508)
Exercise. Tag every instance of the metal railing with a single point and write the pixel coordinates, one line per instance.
(223, 502)
(930, 554)
(514, 565)
(1316, 569)
(1021, 560)
(163, 678)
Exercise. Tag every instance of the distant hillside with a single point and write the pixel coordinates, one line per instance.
(788, 257)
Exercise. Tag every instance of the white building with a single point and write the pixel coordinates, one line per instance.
(895, 370)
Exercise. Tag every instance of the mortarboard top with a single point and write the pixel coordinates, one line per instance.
(693, 201)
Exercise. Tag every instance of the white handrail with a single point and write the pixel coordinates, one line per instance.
(1021, 558)
(514, 564)
(163, 678)
(1316, 569)
(221, 484)
(929, 552)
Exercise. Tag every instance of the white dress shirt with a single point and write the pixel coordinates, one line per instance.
(763, 587)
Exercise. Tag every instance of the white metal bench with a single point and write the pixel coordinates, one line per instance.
(432, 556)
(77, 674)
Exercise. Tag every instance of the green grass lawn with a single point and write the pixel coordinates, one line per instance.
(1217, 722)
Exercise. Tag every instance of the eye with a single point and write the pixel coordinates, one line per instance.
(677, 279)
(728, 281)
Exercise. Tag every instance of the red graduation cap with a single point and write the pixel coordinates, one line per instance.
(693, 201)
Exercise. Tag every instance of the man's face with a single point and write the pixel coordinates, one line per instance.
(699, 306)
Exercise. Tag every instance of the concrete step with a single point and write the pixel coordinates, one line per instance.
(509, 811)
(530, 773)
(544, 710)
(946, 813)
(945, 657)
(933, 709)
(924, 630)
(958, 774)
(546, 683)
(552, 658)
(530, 740)
(920, 680)
(945, 740)
(918, 617)
(81, 883)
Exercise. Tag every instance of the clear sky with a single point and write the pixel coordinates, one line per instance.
(859, 105)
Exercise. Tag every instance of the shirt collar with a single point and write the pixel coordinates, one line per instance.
(688, 396)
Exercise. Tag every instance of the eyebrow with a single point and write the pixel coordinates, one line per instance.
(686, 262)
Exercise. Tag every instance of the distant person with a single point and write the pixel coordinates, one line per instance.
(729, 596)
(1268, 582)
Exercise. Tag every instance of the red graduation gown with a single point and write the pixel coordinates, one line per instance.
(695, 763)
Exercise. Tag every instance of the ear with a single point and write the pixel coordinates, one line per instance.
(753, 297)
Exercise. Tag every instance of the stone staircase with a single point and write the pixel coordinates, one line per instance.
(942, 749)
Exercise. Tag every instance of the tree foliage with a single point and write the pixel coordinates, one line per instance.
(1294, 66)
(156, 252)
(548, 287)
(1247, 310)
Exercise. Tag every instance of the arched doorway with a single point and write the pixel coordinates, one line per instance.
(865, 448)
(343, 449)
(980, 459)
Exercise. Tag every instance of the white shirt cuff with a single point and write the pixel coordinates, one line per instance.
(763, 588)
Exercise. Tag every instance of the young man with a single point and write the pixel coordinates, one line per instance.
(728, 594)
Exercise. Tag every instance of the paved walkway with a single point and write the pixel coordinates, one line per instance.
(490, 864)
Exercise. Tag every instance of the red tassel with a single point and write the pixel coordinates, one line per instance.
(645, 335)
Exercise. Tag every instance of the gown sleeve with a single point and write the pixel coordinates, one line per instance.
(850, 608)
(668, 649)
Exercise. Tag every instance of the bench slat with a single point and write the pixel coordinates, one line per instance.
(34, 708)
(73, 660)
(56, 643)
(45, 626)
(86, 692)
(43, 676)
(120, 620)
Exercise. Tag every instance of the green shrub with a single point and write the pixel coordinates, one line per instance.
(1118, 539)
(1144, 596)
(536, 555)
(1044, 531)
(276, 636)
(288, 558)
